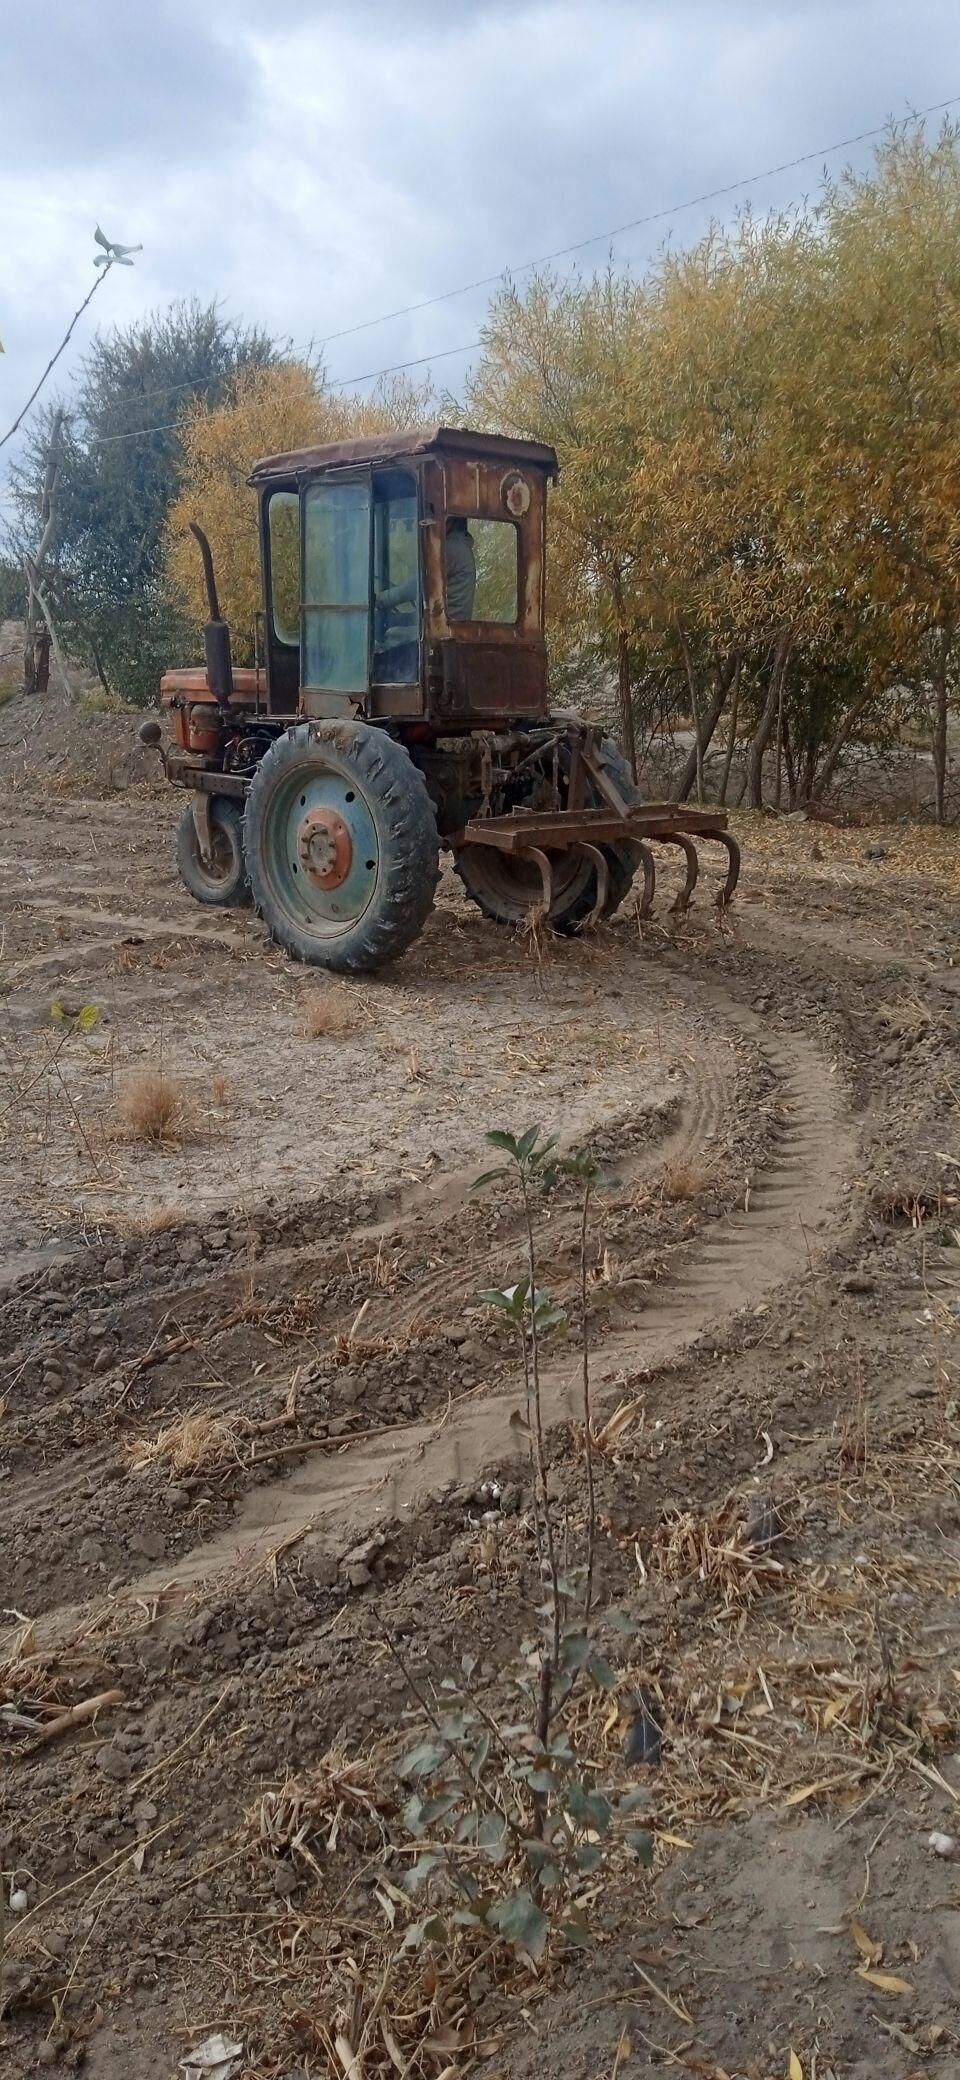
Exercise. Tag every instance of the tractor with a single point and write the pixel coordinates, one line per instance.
(398, 703)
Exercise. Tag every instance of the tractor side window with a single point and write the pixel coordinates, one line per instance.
(336, 587)
(483, 570)
(284, 524)
(396, 579)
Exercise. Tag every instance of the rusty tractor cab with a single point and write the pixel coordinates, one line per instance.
(400, 703)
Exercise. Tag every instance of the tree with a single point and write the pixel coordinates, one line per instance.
(884, 383)
(759, 451)
(268, 411)
(120, 466)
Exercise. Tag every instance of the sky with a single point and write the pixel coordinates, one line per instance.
(315, 166)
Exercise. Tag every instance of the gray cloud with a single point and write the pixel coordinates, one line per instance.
(314, 165)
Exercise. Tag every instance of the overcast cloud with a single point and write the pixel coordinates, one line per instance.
(315, 165)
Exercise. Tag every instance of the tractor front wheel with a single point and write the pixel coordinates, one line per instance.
(222, 879)
(341, 845)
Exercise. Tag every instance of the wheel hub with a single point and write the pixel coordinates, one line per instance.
(324, 848)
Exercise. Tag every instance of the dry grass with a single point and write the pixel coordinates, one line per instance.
(192, 1443)
(152, 1220)
(684, 1179)
(327, 1016)
(152, 1110)
(220, 1089)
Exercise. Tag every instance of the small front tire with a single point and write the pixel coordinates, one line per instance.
(223, 880)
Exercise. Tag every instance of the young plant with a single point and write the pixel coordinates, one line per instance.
(514, 1832)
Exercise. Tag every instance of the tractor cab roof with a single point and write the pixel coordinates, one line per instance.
(396, 447)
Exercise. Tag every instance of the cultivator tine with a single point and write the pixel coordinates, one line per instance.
(649, 880)
(603, 882)
(725, 894)
(546, 875)
(681, 901)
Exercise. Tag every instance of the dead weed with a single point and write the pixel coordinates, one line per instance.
(152, 1109)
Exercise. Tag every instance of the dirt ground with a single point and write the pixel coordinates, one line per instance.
(277, 1587)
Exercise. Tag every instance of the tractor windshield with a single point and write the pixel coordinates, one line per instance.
(336, 589)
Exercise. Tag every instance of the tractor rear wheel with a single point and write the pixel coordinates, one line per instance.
(341, 845)
(506, 888)
(223, 878)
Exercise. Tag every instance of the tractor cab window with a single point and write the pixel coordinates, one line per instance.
(284, 525)
(483, 570)
(336, 586)
(396, 579)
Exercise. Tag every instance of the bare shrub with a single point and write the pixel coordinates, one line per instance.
(152, 1110)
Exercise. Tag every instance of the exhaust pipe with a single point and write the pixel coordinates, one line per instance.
(216, 632)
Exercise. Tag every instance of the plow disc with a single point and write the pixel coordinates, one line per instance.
(545, 840)
(551, 843)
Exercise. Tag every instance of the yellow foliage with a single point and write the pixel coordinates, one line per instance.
(271, 411)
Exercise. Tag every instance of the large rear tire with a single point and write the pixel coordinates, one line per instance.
(507, 888)
(223, 879)
(341, 845)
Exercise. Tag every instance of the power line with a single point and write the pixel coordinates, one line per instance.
(636, 224)
(140, 433)
(486, 281)
(398, 368)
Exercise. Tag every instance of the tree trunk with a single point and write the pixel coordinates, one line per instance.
(704, 722)
(764, 730)
(624, 687)
(731, 736)
(778, 761)
(837, 748)
(939, 734)
(791, 767)
(43, 661)
(36, 656)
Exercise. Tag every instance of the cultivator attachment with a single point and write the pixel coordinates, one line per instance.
(612, 836)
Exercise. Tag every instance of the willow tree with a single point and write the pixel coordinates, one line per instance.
(884, 389)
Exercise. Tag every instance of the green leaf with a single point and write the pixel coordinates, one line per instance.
(526, 1143)
(548, 1314)
(437, 1809)
(588, 1857)
(479, 1755)
(499, 1138)
(421, 1869)
(421, 1761)
(537, 1853)
(488, 1177)
(575, 1650)
(590, 1808)
(620, 1621)
(87, 1017)
(540, 1779)
(511, 1299)
(576, 1931)
(57, 1010)
(432, 1930)
(601, 1673)
(642, 1845)
(632, 1801)
(521, 1922)
(492, 1837)
(454, 1725)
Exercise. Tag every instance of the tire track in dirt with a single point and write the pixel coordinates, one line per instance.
(796, 1207)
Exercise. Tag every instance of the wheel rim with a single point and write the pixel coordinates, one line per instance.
(320, 851)
(514, 886)
(221, 866)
